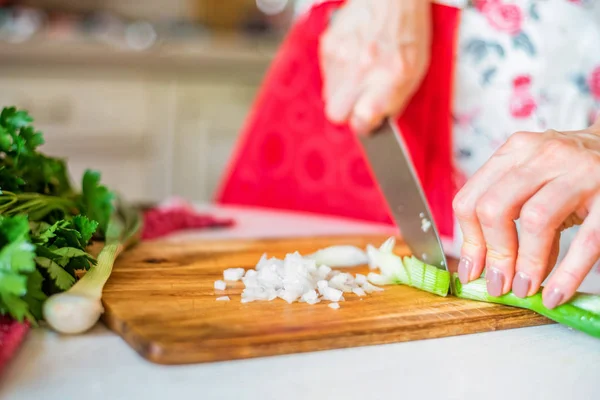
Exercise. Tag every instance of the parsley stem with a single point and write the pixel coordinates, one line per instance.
(80, 307)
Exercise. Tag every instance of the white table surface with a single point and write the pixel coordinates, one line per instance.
(549, 362)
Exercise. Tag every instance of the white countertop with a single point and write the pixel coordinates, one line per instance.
(549, 362)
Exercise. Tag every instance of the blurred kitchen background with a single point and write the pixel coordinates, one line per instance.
(152, 93)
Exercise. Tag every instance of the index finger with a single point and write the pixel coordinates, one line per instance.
(473, 251)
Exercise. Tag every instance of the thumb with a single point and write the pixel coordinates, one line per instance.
(368, 112)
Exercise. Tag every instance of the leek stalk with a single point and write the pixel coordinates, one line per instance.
(582, 312)
(79, 308)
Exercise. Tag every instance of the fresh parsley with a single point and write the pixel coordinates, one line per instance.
(45, 224)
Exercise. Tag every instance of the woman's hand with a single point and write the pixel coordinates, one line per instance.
(548, 181)
(373, 57)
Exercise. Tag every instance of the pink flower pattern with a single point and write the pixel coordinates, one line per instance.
(594, 83)
(522, 103)
(507, 18)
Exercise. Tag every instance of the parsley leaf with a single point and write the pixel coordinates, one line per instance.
(35, 297)
(96, 200)
(16, 265)
(14, 119)
(61, 250)
(61, 278)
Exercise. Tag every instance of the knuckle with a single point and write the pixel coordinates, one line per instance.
(555, 148)
(520, 139)
(473, 244)
(570, 275)
(489, 211)
(534, 218)
(531, 263)
(591, 239)
(590, 164)
(494, 255)
(462, 207)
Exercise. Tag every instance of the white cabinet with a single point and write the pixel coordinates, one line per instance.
(151, 135)
(210, 116)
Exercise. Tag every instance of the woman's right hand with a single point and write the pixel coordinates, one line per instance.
(373, 57)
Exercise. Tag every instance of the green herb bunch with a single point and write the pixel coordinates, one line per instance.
(46, 225)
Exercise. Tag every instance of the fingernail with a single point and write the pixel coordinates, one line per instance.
(521, 285)
(464, 269)
(495, 282)
(553, 298)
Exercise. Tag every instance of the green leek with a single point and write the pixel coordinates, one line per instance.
(427, 277)
(409, 271)
(582, 312)
(79, 308)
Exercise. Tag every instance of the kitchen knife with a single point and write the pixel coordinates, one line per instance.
(390, 161)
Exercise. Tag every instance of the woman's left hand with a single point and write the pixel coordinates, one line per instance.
(548, 181)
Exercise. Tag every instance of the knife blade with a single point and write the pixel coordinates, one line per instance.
(390, 161)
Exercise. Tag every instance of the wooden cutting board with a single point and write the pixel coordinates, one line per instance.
(160, 299)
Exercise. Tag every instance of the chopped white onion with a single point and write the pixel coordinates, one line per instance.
(310, 296)
(380, 279)
(339, 256)
(360, 279)
(332, 294)
(370, 288)
(311, 279)
(335, 306)
(343, 282)
(223, 298)
(233, 274)
(220, 285)
(321, 285)
(371, 255)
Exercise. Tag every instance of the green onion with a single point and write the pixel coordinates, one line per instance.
(79, 308)
(581, 313)
(427, 277)
(409, 271)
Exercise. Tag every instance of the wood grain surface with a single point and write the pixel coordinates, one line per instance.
(160, 299)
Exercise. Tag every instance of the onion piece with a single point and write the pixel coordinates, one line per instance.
(340, 256)
(360, 279)
(335, 306)
(223, 298)
(391, 265)
(233, 274)
(388, 245)
(220, 285)
(310, 297)
(332, 294)
(378, 279)
(370, 288)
